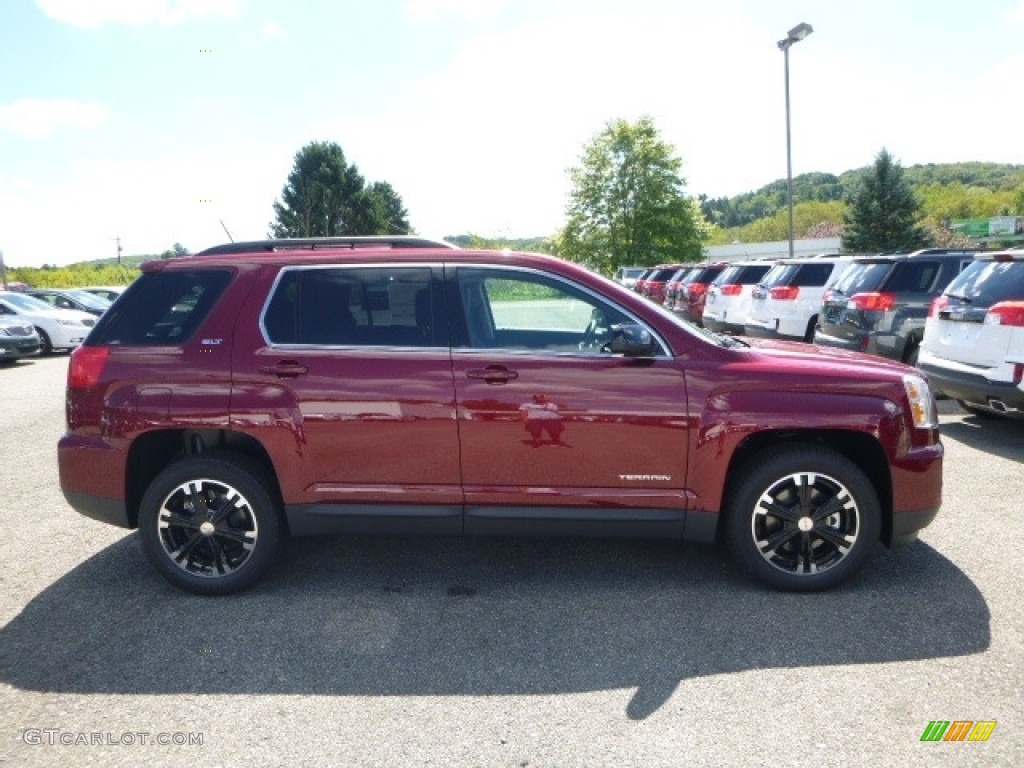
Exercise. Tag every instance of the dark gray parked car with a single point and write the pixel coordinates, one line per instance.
(17, 339)
(880, 303)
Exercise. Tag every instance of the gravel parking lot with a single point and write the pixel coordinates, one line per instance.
(504, 652)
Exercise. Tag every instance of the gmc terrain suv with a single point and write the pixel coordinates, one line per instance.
(880, 303)
(349, 386)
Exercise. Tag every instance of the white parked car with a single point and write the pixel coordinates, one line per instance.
(108, 292)
(57, 328)
(728, 298)
(973, 348)
(785, 304)
(627, 276)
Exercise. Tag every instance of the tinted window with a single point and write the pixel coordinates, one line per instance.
(912, 277)
(813, 274)
(799, 274)
(988, 282)
(740, 275)
(375, 306)
(662, 275)
(518, 310)
(861, 277)
(162, 307)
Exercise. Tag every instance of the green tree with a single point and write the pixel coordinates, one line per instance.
(883, 212)
(627, 204)
(324, 196)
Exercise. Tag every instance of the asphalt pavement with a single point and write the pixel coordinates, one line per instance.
(504, 652)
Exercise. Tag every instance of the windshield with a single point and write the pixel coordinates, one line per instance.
(27, 303)
(89, 299)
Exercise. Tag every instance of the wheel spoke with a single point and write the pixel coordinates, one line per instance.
(805, 487)
(185, 550)
(772, 507)
(231, 503)
(770, 545)
(841, 541)
(246, 538)
(829, 508)
(195, 496)
(173, 519)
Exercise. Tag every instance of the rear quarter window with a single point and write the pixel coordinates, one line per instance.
(161, 308)
(913, 277)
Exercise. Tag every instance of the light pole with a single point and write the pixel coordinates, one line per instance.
(796, 34)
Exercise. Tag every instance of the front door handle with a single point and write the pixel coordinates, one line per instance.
(493, 374)
(286, 369)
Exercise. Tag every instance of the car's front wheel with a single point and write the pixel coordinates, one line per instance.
(210, 524)
(802, 518)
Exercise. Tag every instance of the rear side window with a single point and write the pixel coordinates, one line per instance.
(863, 276)
(809, 275)
(161, 308)
(365, 306)
(913, 277)
(988, 282)
(747, 275)
(705, 275)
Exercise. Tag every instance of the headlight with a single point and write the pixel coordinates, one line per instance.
(922, 402)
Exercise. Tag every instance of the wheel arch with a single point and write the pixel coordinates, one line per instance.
(859, 447)
(153, 451)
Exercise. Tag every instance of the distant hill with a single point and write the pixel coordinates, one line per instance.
(765, 202)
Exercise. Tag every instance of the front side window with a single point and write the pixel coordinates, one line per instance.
(506, 309)
(913, 277)
(363, 306)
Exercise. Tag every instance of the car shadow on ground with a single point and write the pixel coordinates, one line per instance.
(994, 435)
(404, 616)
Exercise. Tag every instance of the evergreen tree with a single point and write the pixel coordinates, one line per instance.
(326, 197)
(883, 212)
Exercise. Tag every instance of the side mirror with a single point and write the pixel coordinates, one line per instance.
(632, 340)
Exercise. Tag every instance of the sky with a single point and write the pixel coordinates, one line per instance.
(174, 121)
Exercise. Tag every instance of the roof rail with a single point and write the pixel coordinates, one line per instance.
(313, 243)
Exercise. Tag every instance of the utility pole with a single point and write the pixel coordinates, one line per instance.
(118, 241)
(3, 271)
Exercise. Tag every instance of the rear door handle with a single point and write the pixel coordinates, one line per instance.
(493, 374)
(286, 369)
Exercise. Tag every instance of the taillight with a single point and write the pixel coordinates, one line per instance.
(1006, 313)
(784, 292)
(86, 366)
(938, 304)
(696, 290)
(730, 289)
(878, 302)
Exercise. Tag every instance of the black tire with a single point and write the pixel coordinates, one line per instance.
(802, 544)
(46, 347)
(910, 358)
(209, 524)
(812, 327)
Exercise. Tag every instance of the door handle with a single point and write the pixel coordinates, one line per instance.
(286, 369)
(493, 374)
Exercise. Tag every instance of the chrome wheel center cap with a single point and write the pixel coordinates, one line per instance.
(804, 524)
(207, 528)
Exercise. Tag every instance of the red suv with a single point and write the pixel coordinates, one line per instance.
(346, 386)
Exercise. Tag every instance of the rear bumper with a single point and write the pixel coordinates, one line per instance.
(974, 388)
(890, 345)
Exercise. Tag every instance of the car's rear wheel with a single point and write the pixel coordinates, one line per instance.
(210, 524)
(802, 518)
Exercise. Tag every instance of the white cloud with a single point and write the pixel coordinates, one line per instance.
(94, 13)
(271, 28)
(422, 10)
(1016, 14)
(41, 117)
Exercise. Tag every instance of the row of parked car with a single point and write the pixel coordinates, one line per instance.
(45, 320)
(958, 315)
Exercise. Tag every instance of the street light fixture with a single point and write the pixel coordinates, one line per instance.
(796, 34)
